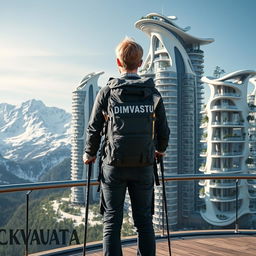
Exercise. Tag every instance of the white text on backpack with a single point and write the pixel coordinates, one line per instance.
(133, 109)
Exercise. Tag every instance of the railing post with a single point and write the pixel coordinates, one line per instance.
(162, 216)
(27, 210)
(237, 192)
(86, 209)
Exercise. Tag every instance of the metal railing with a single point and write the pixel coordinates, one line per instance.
(29, 187)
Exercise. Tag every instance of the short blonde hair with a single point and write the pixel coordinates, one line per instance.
(129, 53)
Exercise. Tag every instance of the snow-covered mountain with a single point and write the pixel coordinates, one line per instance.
(34, 136)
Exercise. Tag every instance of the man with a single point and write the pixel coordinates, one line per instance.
(130, 111)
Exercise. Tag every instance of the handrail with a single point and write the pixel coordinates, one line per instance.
(45, 185)
(82, 182)
(94, 182)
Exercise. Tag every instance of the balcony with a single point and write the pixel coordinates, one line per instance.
(222, 184)
(252, 108)
(201, 195)
(227, 94)
(252, 153)
(252, 168)
(204, 136)
(161, 58)
(163, 69)
(252, 124)
(252, 193)
(226, 170)
(202, 183)
(160, 50)
(202, 169)
(228, 138)
(183, 242)
(227, 154)
(223, 198)
(203, 153)
(233, 138)
(252, 138)
(227, 124)
(224, 107)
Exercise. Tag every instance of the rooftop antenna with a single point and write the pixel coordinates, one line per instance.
(162, 9)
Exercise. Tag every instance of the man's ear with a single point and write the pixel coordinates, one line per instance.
(140, 63)
(119, 64)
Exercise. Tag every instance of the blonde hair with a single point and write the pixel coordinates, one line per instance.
(129, 53)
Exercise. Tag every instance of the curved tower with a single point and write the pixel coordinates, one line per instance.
(82, 102)
(175, 61)
(227, 151)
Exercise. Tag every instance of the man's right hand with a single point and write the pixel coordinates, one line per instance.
(87, 159)
(159, 154)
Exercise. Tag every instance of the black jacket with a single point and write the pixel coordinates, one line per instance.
(97, 120)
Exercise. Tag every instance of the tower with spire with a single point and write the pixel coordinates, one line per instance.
(175, 62)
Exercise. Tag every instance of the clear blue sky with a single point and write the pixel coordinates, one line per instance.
(48, 46)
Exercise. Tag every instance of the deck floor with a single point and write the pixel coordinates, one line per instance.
(210, 246)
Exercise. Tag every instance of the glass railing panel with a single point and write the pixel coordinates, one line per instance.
(53, 221)
(208, 205)
(194, 204)
(47, 224)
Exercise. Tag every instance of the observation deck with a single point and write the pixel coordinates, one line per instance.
(196, 242)
(212, 245)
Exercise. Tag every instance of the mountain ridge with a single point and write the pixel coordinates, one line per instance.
(33, 138)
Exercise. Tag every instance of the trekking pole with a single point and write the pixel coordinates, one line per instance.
(160, 158)
(87, 205)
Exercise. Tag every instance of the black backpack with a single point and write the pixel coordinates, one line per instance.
(130, 125)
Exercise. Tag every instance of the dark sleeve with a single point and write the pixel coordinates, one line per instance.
(96, 123)
(161, 127)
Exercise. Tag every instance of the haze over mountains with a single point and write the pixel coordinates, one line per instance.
(33, 139)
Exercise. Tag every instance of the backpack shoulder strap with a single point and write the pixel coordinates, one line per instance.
(106, 98)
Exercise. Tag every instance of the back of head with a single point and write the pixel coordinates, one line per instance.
(129, 53)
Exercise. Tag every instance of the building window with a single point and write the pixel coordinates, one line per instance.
(90, 98)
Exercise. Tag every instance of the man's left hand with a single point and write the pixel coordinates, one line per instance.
(87, 159)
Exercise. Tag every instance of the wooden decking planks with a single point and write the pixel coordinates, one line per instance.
(238, 245)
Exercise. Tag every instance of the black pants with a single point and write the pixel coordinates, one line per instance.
(140, 183)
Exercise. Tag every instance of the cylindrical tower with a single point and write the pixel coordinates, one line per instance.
(227, 147)
(82, 103)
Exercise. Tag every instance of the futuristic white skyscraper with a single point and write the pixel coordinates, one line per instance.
(252, 130)
(175, 61)
(82, 103)
(227, 148)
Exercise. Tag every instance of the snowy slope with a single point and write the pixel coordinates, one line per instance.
(35, 136)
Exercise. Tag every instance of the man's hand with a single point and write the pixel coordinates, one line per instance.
(88, 159)
(159, 154)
